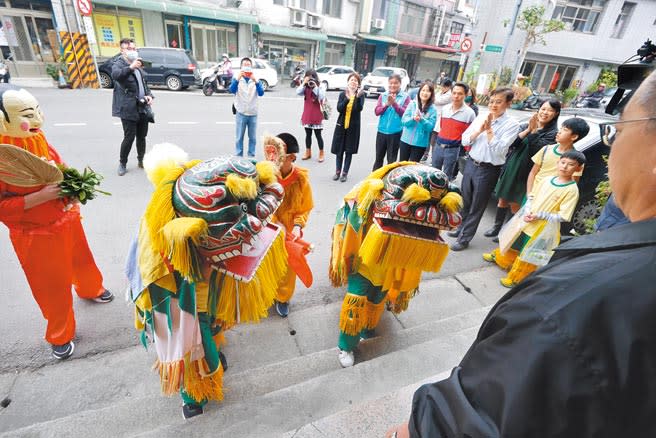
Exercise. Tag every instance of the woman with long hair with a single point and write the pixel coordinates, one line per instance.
(418, 121)
(471, 99)
(390, 108)
(540, 130)
(346, 138)
(312, 117)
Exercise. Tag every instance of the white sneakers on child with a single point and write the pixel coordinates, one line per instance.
(346, 358)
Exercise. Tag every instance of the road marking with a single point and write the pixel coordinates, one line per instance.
(182, 123)
(225, 123)
(270, 123)
(70, 124)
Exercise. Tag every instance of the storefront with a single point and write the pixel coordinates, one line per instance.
(211, 40)
(111, 24)
(424, 61)
(373, 51)
(338, 51)
(548, 77)
(28, 40)
(285, 48)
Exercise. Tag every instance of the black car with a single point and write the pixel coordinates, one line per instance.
(175, 68)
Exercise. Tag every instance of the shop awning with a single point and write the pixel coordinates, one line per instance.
(381, 38)
(427, 47)
(291, 32)
(211, 12)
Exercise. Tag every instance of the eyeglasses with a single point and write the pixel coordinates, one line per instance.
(607, 130)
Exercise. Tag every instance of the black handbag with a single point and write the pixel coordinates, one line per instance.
(234, 110)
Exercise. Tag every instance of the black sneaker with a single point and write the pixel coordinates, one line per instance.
(223, 360)
(140, 164)
(454, 233)
(104, 297)
(62, 352)
(191, 410)
(282, 309)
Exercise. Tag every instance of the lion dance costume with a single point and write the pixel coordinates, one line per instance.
(206, 258)
(48, 238)
(386, 234)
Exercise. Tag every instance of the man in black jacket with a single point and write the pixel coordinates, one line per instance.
(571, 351)
(131, 101)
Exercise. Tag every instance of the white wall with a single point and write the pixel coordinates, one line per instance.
(153, 28)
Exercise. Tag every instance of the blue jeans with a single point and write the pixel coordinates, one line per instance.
(446, 159)
(242, 122)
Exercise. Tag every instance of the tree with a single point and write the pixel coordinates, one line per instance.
(532, 21)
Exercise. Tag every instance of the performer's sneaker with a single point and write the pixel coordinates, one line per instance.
(191, 410)
(346, 358)
(507, 282)
(489, 257)
(62, 352)
(282, 309)
(223, 360)
(104, 297)
(368, 333)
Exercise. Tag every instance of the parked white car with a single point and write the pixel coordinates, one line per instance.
(334, 76)
(262, 70)
(375, 83)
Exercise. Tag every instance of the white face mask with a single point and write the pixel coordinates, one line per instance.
(131, 55)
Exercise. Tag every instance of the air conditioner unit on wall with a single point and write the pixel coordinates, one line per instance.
(445, 39)
(314, 21)
(378, 23)
(294, 4)
(298, 17)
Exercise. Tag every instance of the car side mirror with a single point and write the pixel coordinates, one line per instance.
(331, 73)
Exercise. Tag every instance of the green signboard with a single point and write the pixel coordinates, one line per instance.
(491, 48)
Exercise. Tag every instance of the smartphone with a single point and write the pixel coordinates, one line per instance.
(145, 64)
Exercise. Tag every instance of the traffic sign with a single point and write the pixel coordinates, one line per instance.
(466, 45)
(491, 48)
(84, 6)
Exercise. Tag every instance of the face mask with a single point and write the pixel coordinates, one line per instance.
(248, 71)
(131, 55)
(468, 99)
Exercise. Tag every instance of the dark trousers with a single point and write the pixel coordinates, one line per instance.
(308, 138)
(446, 158)
(386, 145)
(410, 153)
(343, 163)
(477, 186)
(132, 129)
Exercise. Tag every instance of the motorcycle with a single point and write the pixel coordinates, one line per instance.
(297, 79)
(215, 84)
(588, 102)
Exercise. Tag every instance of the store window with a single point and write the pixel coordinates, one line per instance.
(548, 78)
(334, 54)
(111, 28)
(284, 56)
(623, 19)
(34, 5)
(456, 28)
(309, 5)
(380, 9)
(579, 15)
(412, 19)
(332, 8)
(174, 34)
(209, 42)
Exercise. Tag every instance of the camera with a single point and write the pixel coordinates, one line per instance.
(312, 83)
(141, 101)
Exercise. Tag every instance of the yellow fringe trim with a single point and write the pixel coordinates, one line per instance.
(267, 172)
(240, 187)
(395, 251)
(353, 316)
(400, 304)
(520, 270)
(200, 385)
(170, 375)
(415, 194)
(380, 173)
(182, 235)
(256, 296)
(505, 261)
(336, 270)
(452, 202)
(369, 191)
(373, 313)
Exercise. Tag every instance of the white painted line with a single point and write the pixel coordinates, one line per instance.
(225, 123)
(270, 123)
(70, 124)
(182, 123)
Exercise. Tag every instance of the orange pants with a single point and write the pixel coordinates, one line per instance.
(287, 287)
(52, 262)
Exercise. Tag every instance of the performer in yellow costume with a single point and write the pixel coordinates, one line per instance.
(292, 214)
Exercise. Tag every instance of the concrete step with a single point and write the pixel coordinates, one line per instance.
(366, 420)
(33, 82)
(273, 413)
(263, 358)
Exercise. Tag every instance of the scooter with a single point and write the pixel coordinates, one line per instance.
(215, 85)
(297, 79)
(588, 102)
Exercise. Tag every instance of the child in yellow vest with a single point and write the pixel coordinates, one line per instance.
(552, 199)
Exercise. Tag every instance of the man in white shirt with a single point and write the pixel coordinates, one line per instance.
(490, 137)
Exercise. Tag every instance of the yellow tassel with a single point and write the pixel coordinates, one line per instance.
(256, 296)
(181, 236)
(373, 313)
(452, 202)
(353, 316)
(337, 270)
(397, 251)
(170, 375)
(415, 194)
(370, 190)
(200, 384)
(400, 304)
(267, 172)
(520, 270)
(380, 173)
(505, 261)
(240, 187)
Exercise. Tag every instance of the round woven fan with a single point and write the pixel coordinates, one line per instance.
(21, 168)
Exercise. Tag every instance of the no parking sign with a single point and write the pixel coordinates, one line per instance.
(84, 6)
(466, 45)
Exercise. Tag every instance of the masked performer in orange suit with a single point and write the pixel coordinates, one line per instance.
(44, 228)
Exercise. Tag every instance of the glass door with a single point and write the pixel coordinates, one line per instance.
(174, 34)
(198, 44)
(213, 54)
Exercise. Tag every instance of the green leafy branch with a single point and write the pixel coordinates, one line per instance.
(82, 186)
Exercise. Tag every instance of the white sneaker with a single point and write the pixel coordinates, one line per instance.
(346, 358)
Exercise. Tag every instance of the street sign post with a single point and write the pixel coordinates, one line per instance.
(466, 45)
(492, 48)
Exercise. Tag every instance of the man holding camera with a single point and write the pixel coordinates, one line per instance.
(246, 89)
(131, 102)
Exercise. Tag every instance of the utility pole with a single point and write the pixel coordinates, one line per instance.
(518, 6)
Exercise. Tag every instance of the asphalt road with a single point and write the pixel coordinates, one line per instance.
(79, 124)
